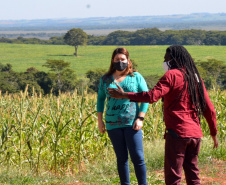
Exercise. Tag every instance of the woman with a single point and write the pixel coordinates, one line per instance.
(185, 99)
(124, 119)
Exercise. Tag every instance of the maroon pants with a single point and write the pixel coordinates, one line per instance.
(181, 153)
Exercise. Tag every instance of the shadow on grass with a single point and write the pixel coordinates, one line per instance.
(62, 55)
(65, 55)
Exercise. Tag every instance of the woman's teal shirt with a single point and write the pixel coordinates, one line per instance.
(121, 112)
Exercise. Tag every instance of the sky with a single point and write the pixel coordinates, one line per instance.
(56, 9)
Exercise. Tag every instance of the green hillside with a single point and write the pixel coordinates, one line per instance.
(148, 58)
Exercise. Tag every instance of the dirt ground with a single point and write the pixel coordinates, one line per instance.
(214, 174)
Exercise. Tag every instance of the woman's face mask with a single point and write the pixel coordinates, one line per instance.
(120, 62)
(166, 66)
(120, 66)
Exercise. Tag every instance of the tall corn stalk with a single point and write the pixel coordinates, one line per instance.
(61, 134)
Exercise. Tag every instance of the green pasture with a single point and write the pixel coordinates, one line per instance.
(148, 58)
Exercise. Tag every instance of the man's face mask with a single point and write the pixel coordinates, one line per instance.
(120, 66)
(166, 66)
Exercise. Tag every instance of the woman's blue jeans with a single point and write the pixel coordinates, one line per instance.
(124, 140)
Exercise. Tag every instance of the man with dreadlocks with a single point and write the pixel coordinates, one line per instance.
(185, 99)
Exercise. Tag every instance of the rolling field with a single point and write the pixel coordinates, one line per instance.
(55, 140)
(148, 58)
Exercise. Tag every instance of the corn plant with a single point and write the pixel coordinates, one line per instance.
(59, 133)
(154, 125)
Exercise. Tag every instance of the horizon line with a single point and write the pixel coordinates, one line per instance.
(196, 13)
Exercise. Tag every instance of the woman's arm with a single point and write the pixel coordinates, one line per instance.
(101, 96)
(101, 124)
(100, 107)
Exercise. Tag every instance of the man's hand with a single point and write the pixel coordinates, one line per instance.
(215, 141)
(117, 93)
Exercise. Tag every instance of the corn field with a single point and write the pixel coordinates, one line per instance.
(59, 134)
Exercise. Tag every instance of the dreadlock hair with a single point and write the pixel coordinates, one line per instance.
(182, 60)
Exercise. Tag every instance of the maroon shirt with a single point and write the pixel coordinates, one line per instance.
(179, 113)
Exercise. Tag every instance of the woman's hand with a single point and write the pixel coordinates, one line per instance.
(101, 126)
(117, 93)
(138, 124)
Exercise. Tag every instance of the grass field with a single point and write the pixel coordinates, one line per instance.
(148, 58)
(103, 170)
(55, 140)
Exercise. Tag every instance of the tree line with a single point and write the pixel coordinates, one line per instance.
(148, 36)
(61, 78)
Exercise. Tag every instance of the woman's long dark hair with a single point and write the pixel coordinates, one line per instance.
(182, 60)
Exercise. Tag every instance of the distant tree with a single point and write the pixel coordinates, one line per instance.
(94, 78)
(57, 40)
(27, 79)
(5, 40)
(63, 79)
(213, 38)
(32, 70)
(69, 79)
(148, 36)
(75, 37)
(117, 38)
(57, 66)
(44, 80)
(95, 40)
(223, 38)
(213, 73)
(40, 80)
(9, 82)
(135, 65)
(174, 38)
(193, 37)
(5, 68)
